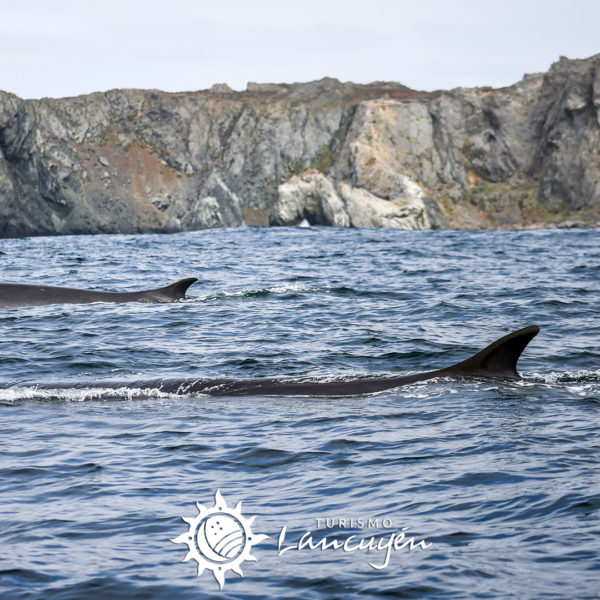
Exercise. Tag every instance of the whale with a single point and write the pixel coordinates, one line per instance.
(498, 361)
(18, 294)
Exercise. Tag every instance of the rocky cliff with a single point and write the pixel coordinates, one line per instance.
(329, 153)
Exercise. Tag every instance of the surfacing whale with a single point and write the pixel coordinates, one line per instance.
(496, 361)
(15, 294)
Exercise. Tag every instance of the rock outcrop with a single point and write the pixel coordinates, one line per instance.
(329, 153)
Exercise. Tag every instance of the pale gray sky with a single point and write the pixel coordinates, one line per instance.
(69, 47)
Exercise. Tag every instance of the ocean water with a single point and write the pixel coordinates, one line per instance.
(500, 481)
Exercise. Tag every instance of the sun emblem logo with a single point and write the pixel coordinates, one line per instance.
(219, 539)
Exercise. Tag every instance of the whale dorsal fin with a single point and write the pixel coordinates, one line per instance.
(499, 359)
(175, 291)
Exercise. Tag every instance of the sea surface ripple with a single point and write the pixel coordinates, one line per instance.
(501, 478)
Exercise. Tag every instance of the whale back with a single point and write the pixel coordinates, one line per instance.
(498, 360)
(14, 294)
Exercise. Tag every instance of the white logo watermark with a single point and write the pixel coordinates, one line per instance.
(393, 541)
(220, 539)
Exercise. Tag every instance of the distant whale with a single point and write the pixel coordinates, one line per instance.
(496, 361)
(14, 294)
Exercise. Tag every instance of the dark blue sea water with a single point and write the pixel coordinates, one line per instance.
(501, 478)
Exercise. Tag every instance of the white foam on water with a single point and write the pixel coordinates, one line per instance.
(18, 394)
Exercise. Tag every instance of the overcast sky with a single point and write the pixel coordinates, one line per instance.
(69, 47)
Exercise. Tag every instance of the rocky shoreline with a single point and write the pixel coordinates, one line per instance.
(325, 153)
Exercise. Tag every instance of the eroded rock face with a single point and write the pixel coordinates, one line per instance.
(309, 197)
(327, 152)
(314, 199)
(368, 210)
